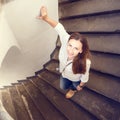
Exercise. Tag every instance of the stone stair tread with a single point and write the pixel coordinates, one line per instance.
(98, 21)
(53, 66)
(43, 104)
(55, 53)
(63, 104)
(58, 43)
(102, 84)
(106, 81)
(105, 60)
(104, 107)
(98, 42)
(20, 109)
(33, 111)
(7, 103)
(48, 75)
(100, 106)
(100, 8)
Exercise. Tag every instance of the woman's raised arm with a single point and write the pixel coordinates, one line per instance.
(44, 16)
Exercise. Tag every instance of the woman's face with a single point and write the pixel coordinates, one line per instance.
(73, 48)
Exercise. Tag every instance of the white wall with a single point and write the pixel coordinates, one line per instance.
(7, 39)
(36, 39)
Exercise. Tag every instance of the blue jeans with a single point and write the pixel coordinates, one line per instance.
(67, 84)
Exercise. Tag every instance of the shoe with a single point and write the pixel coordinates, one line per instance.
(70, 94)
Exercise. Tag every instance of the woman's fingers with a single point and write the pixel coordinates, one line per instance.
(43, 13)
(79, 88)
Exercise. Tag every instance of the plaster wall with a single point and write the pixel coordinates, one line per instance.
(32, 40)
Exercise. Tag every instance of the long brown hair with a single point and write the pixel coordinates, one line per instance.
(79, 62)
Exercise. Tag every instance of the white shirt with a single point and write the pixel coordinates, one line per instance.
(68, 73)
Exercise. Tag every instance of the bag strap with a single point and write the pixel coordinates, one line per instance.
(66, 66)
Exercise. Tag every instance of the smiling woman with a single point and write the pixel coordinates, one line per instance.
(73, 56)
(73, 48)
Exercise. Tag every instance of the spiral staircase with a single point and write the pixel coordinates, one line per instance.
(39, 97)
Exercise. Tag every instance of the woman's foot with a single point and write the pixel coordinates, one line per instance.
(70, 93)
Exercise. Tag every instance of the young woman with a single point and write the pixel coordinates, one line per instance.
(73, 57)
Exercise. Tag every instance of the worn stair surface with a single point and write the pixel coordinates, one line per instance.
(39, 97)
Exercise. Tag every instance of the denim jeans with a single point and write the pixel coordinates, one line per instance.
(67, 84)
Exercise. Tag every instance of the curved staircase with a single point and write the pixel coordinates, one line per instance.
(40, 98)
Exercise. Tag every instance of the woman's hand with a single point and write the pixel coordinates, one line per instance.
(44, 16)
(79, 88)
(43, 13)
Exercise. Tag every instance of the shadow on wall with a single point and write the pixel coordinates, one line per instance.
(11, 58)
(7, 38)
(10, 67)
(24, 39)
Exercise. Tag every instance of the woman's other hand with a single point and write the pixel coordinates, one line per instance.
(79, 88)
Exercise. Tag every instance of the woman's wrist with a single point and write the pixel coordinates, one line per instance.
(45, 18)
(81, 86)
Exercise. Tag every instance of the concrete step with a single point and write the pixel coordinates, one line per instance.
(79, 7)
(43, 104)
(7, 103)
(96, 104)
(60, 102)
(58, 43)
(30, 106)
(106, 63)
(105, 84)
(53, 66)
(21, 111)
(55, 53)
(99, 82)
(107, 43)
(101, 23)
